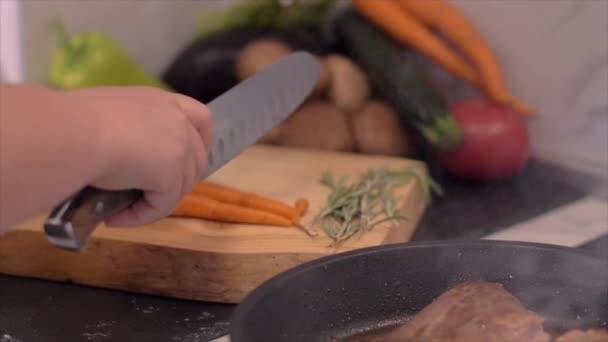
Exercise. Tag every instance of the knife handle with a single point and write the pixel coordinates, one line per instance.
(71, 223)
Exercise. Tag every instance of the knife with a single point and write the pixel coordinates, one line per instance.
(240, 117)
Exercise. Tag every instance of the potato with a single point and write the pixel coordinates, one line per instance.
(324, 79)
(377, 130)
(349, 87)
(317, 125)
(259, 54)
(272, 137)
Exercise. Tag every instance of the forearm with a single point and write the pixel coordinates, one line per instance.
(41, 129)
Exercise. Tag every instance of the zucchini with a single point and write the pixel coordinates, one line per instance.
(399, 79)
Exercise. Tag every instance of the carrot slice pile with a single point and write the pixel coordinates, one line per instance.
(408, 21)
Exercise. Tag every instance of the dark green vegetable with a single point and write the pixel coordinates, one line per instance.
(305, 15)
(207, 67)
(276, 14)
(253, 14)
(91, 59)
(399, 79)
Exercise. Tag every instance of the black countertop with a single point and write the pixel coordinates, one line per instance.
(38, 310)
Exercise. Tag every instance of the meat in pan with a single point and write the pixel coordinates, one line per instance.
(472, 312)
(591, 335)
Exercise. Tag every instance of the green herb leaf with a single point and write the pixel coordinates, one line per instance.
(370, 201)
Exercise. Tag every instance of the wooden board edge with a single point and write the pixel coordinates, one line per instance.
(168, 272)
(414, 209)
(201, 275)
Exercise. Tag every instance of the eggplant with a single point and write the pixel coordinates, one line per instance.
(206, 68)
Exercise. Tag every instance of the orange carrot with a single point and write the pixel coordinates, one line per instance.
(521, 108)
(447, 19)
(389, 16)
(301, 206)
(198, 206)
(246, 199)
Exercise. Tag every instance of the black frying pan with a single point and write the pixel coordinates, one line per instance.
(346, 293)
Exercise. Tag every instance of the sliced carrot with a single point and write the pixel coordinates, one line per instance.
(203, 207)
(402, 26)
(230, 195)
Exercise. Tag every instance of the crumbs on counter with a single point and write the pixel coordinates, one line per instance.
(8, 338)
(203, 334)
(147, 309)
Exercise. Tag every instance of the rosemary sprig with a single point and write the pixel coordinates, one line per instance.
(362, 205)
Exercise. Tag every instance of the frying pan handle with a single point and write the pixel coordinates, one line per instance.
(71, 223)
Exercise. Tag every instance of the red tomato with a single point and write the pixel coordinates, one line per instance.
(495, 145)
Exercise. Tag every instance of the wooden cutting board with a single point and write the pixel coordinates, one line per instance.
(209, 261)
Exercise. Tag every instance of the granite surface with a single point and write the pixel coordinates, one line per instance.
(38, 310)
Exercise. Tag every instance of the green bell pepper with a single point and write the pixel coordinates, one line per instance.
(95, 59)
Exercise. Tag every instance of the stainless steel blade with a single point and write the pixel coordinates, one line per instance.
(241, 116)
(247, 112)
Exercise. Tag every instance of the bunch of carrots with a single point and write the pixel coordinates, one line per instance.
(410, 21)
(221, 203)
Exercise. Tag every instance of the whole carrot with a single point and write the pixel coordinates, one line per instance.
(447, 19)
(392, 19)
(301, 206)
(246, 199)
(203, 207)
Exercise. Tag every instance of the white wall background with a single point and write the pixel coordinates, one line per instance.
(151, 31)
(554, 54)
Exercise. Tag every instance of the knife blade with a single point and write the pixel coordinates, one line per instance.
(240, 117)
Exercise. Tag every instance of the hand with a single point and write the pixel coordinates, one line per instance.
(155, 141)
